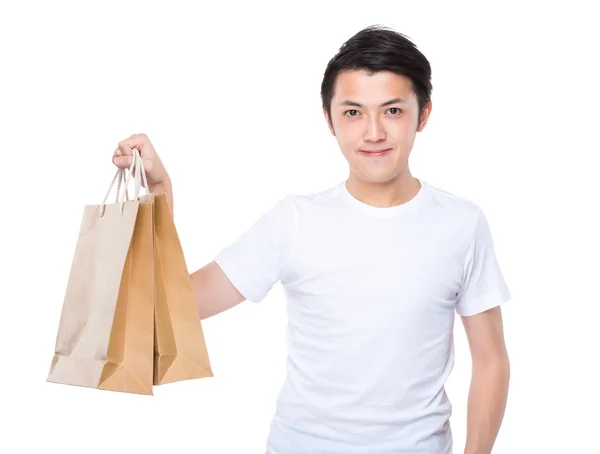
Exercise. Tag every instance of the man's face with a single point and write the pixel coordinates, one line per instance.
(373, 126)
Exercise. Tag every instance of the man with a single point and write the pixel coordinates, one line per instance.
(373, 269)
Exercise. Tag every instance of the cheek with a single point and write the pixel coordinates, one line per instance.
(347, 135)
(403, 133)
(349, 142)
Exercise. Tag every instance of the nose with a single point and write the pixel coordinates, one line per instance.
(374, 132)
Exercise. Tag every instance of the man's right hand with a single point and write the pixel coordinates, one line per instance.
(155, 170)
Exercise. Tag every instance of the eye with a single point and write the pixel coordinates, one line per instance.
(395, 108)
(351, 110)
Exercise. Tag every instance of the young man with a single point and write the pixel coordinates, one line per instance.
(374, 269)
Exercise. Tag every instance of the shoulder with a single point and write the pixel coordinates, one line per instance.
(452, 206)
(459, 217)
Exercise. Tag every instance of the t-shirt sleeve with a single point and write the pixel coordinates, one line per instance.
(483, 285)
(255, 260)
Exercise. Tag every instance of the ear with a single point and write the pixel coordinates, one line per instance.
(327, 119)
(425, 116)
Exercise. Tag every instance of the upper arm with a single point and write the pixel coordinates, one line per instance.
(485, 334)
(213, 291)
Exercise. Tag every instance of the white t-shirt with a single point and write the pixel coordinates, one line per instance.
(371, 299)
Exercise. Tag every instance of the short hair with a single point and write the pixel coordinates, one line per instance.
(379, 48)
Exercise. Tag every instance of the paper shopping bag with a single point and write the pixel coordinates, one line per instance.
(105, 336)
(129, 319)
(180, 351)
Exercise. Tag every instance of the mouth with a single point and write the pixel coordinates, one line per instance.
(376, 153)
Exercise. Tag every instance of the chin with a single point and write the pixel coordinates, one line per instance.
(379, 177)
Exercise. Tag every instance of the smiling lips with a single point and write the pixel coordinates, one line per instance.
(376, 153)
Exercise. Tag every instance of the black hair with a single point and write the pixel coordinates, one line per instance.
(379, 48)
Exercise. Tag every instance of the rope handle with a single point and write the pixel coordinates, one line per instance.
(124, 176)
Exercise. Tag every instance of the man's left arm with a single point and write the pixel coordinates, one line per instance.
(489, 380)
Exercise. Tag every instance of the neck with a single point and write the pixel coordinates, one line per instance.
(385, 194)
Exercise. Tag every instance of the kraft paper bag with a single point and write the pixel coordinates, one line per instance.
(180, 351)
(129, 319)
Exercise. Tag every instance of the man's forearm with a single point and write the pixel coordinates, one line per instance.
(487, 401)
(166, 187)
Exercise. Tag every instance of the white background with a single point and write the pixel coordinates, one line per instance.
(229, 95)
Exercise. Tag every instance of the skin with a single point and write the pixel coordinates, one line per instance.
(490, 377)
(380, 182)
(387, 181)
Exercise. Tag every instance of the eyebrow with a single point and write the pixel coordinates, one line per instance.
(387, 103)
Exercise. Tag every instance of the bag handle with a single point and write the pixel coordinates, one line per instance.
(140, 173)
(137, 169)
(120, 178)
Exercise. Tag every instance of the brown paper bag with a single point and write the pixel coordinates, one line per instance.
(129, 318)
(180, 349)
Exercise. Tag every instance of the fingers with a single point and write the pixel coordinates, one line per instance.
(122, 162)
(123, 155)
(135, 141)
